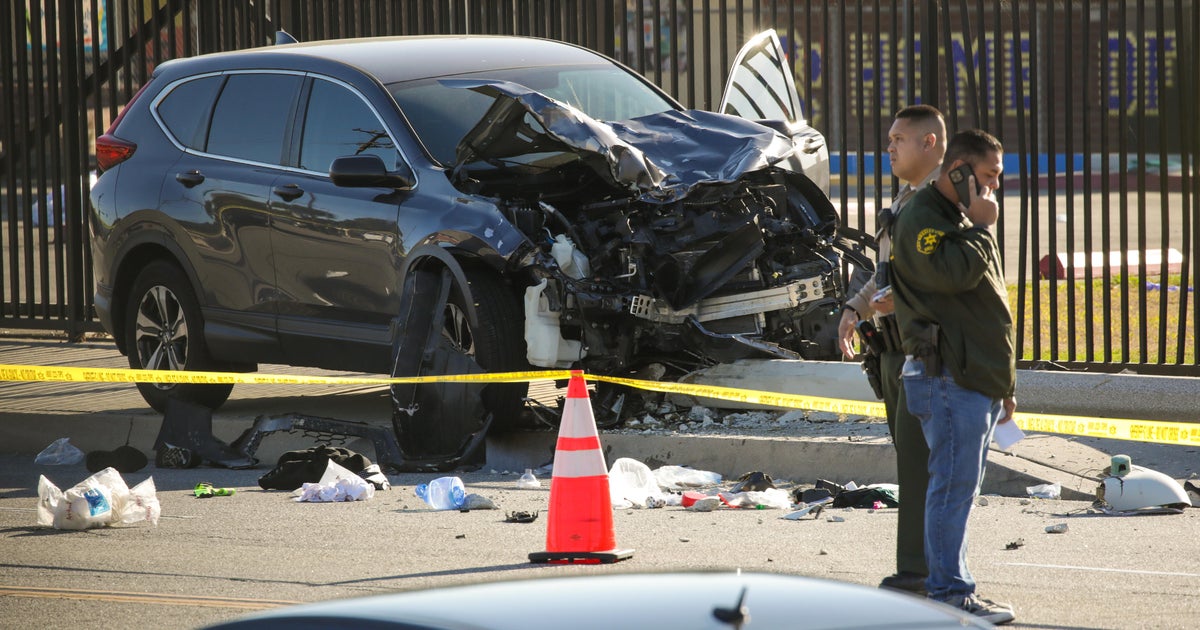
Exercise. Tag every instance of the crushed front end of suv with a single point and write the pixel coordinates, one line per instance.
(449, 205)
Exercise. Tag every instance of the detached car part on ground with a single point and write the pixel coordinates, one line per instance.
(470, 208)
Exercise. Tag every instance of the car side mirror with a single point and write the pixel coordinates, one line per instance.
(366, 171)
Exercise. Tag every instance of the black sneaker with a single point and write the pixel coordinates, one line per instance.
(170, 456)
(906, 581)
(986, 609)
(125, 459)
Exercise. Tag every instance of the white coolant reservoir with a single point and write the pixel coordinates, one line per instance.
(572, 261)
(543, 335)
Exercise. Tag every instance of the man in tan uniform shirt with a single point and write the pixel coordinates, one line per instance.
(916, 144)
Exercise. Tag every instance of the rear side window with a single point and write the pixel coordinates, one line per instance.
(339, 123)
(251, 116)
(184, 110)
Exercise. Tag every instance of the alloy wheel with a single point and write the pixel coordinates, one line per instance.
(161, 336)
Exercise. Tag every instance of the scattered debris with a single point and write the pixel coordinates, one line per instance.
(756, 481)
(477, 502)
(443, 493)
(100, 500)
(707, 504)
(1058, 528)
(124, 458)
(60, 453)
(336, 484)
(528, 481)
(1045, 491)
(1135, 489)
(520, 517)
(813, 509)
(1016, 544)
(205, 490)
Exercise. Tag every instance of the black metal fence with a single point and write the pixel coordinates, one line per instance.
(1090, 97)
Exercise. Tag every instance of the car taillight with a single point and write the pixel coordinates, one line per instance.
(111, 151)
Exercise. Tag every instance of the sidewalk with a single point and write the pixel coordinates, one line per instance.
(105, 415)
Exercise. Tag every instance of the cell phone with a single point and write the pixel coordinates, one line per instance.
(882, 294)
(959, 176)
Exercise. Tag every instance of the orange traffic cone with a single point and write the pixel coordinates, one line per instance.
(580, 524)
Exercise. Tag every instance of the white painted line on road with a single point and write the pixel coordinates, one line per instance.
(1101, 569)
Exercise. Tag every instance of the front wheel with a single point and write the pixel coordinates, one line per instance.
(163, 331)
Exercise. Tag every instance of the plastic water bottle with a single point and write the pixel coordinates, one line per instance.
(443, 493)
(528, 481)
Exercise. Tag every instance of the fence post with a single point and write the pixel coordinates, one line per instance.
(929, 53)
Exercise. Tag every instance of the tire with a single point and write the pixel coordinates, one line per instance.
(486, 321)
(164, 331)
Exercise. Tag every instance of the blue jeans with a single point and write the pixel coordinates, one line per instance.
(958, 425)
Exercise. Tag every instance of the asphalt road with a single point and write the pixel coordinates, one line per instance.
(214, 559)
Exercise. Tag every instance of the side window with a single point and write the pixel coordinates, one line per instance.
(339, 123)
(251, 115)
(185, 110)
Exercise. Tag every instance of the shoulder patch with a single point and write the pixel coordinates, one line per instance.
(928, 240)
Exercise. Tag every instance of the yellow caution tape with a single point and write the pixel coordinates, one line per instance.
(1181, 433)
(128, 375)
(756, 397)
(1115, 428)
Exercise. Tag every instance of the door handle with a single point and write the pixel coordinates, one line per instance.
(288, 192)
(812, 145)
(189, 178)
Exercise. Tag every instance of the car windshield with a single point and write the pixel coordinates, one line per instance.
(442, 115)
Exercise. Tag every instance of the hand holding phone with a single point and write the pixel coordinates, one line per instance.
(982, 210)
(962, 177)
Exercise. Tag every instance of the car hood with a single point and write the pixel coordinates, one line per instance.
(660, 156)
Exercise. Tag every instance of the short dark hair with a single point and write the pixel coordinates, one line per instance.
(970, 144)
(921, 114)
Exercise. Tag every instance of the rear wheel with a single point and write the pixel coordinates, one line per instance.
(163, 331)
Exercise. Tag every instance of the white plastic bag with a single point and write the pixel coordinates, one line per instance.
(771, 498)
(1045, 491)
(99, 500)
(60, 453)
(631, 484)
(679, 477)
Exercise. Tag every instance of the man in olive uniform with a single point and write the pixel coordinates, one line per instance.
(960, 372)
(916, 143)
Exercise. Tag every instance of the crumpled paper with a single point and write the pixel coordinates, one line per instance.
(100, 500)
(336, 484)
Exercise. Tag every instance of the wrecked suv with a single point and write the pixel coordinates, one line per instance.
(458, 204)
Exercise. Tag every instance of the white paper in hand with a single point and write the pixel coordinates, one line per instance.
(1007, 434)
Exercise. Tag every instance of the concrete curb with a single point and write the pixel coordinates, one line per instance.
(1167, 398)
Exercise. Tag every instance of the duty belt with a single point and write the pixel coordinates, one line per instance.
(889, 331)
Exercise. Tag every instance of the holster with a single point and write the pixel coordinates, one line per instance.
(873, 370)
(889, 333)
(873, 341)
(929, 353)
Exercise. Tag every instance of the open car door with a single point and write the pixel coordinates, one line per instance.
(761, 88)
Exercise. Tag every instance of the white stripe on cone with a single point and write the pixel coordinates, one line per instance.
(577, 419)
(574, 464)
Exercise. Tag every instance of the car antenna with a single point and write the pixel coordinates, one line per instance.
(284, 37)
(735, 616)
